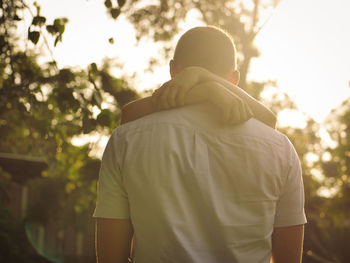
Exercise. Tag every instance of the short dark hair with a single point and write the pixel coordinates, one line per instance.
(208, 47)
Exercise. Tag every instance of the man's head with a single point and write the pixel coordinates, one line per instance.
(208, 47)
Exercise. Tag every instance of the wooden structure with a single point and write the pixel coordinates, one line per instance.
(56, 246)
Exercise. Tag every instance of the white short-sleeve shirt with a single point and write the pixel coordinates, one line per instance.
(197, 190)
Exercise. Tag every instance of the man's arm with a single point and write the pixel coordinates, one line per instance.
(288, 234)
(137, 109)
(232, 109)
(177, 92)
(113, 240)
(259, 110)
(192, 76)
(287, 244)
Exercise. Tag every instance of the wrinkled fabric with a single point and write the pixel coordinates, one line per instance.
(197, 190)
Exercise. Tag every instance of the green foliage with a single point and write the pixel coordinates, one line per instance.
(108, 3)
(117, 88)
(328, 231)
(42, 110)
(328, 227)
(38, 21)
(121, 2)
(113, 10)
(105, 118)
(34, 36)
(160, 20)
(56, 29)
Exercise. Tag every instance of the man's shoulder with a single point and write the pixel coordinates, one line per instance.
(202, 117)
(166, 117)
(277, 138)
(258, 129)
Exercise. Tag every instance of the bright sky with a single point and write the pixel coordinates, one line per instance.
(304, 46)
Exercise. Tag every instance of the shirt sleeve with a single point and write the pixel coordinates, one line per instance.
(290, 206)
(112, 199)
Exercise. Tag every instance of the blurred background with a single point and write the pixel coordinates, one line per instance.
(67, 68)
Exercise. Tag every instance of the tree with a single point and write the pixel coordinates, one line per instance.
(43, 107)
(329, 234)
(160, 20)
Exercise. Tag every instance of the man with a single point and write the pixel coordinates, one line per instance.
(190, 188)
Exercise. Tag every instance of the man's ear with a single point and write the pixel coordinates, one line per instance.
(234, 79)
(172, 68)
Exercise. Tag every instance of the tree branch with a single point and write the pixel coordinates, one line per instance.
(43, 35)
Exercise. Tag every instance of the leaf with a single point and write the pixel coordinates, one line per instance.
(17, 18)
(105, 118)
(34, 36)
(92, 73)
(38, 21)
(115, 12)
(97, 98)
(88, 124)
(93, 67)
(58, 38)
(65, 75)
(125, 95)
(64, 20)
(51, 29)
(108, 3)
(60, 25)
(65, 99)
(75, 105)
(121, 2)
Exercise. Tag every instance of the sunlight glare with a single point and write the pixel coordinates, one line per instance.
(311, 158)
(327, 138)
(307, 54)
(291, 118)
(317, 175)
(97, 141)
(327, 192)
